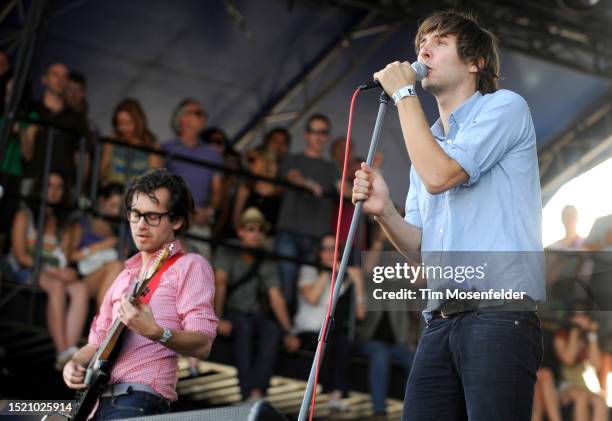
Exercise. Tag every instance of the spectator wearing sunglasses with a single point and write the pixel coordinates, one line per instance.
(304, 215)
(188, 120)
(250, 306)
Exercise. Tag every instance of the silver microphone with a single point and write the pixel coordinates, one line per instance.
(419, 68)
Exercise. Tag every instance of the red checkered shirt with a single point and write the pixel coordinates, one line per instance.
(182, 301)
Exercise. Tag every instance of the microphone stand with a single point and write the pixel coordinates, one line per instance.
(384, 99)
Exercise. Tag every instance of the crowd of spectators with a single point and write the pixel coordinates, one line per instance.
(289, 208)
(264, 304)
(572, 382)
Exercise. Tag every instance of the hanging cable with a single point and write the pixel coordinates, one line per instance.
(336, 247)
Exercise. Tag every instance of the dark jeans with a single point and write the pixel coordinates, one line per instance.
(134, 404)
(336, 362)
(292, 245)
(256, 343)
(480, 365)
(381, 355)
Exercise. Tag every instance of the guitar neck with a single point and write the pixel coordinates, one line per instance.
(107, 346)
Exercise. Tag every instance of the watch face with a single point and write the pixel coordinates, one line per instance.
(166, 335)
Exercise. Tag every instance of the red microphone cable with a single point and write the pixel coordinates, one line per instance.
(333, 280)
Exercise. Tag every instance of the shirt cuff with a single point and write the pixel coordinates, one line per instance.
(413, 219)
(202, 325)
(467, 162)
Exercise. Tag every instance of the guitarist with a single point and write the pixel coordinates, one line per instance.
(179, 319)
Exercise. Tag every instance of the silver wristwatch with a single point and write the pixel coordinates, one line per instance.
(165, 336)
(403, 92)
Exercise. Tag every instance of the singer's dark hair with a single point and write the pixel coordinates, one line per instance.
(180, 203)
(475, 44)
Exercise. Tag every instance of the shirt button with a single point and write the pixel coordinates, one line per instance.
(441, 230)
(449, 141)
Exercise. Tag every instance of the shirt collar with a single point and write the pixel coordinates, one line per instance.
(135, 262)
(457, 117)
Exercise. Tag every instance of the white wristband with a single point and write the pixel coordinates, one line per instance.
(403, 92)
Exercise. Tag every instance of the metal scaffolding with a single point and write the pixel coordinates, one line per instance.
(556, 31)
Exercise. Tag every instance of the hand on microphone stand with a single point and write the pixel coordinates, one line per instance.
(379, 158)
(370, 187)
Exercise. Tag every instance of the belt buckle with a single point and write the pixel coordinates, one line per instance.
(444, 316)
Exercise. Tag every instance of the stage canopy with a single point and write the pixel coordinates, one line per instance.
(257, 64)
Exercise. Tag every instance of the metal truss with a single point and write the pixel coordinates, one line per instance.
(12, 21)
(553, 33)
(564, 32)
(585, 144)
(274, 109)
(30, 33)
(549, 30)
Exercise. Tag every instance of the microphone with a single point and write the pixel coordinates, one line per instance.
(417, 66)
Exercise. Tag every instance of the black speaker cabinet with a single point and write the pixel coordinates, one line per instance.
(259, 411)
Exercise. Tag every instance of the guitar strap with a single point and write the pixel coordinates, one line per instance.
(154, 283)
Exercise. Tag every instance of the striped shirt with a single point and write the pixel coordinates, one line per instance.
(182, 301)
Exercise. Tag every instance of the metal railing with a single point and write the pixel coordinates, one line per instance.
(89, 206)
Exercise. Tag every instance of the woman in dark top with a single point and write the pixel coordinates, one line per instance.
(257, 193)
(217, 139)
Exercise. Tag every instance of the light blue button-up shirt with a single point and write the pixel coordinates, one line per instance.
(499, 208)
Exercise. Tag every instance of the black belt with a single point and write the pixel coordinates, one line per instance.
(455, 308)
(120, 389)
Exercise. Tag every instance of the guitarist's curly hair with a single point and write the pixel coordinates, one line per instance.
(180, 204)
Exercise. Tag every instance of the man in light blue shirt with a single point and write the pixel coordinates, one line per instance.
(474, 195)
(493, 217)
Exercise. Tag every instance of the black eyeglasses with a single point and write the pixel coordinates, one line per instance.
(151, 218)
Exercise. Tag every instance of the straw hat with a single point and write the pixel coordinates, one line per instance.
(253, 215)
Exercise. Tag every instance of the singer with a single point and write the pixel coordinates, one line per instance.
(474, 185)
